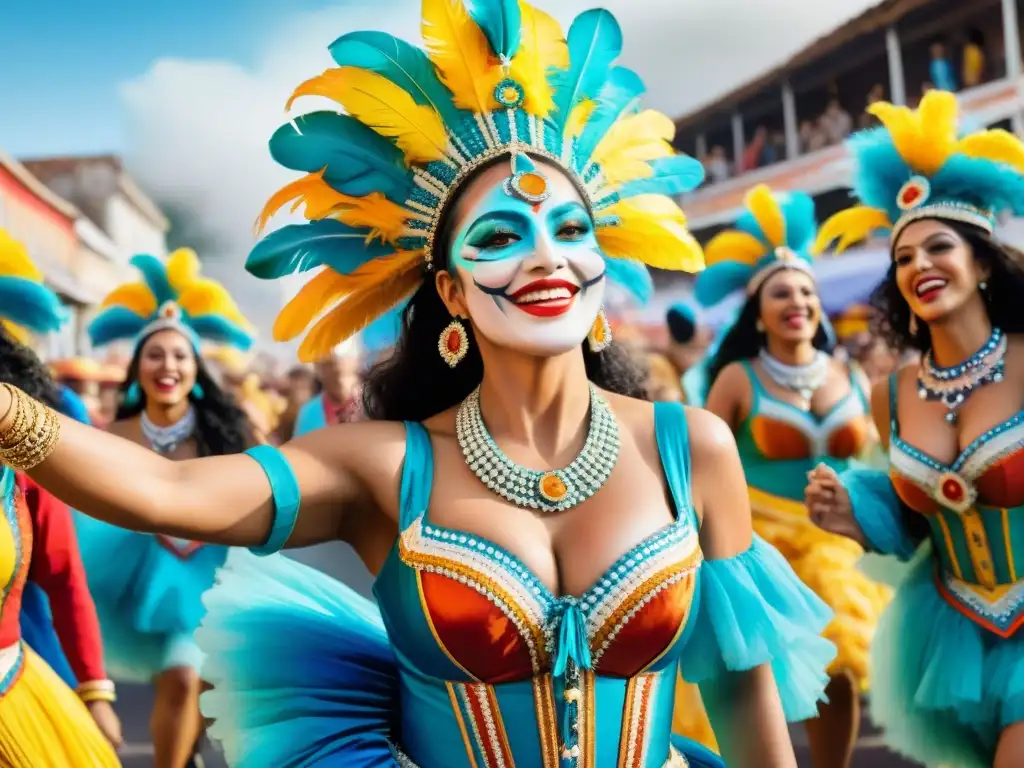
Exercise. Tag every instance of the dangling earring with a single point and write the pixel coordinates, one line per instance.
(982, 286)
(600, 336)
(913, 324)
(133, 396)
(198, 393)
(453, 343)
(759, 325)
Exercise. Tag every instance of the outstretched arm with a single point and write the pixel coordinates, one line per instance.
(219, 499)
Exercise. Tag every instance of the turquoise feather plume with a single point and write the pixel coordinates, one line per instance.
(801, 221)
(631, 276)
(595, 42)
(671, 176)
(719, 280)
(620, 96)
(357, 160)
(501, 22)
(154, 273)
(31, 305)
(219, 329)
(302, 247)
(115, 324)
(403, 64)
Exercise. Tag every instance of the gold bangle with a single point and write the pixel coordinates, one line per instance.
(97, 690)
(32, 435)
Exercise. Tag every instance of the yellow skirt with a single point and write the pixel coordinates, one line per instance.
(43, 723)
(828, 565)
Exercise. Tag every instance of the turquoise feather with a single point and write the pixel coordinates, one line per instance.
(31, 305)
(219, 329)
(302, 247)
(501, 22)
(403, 64)
(115, 324)
(801, 223)
(720, 280)
(619, 96)
(632, 276)
(154, 273)
(672, 176)
(357, 160)
(595, 42)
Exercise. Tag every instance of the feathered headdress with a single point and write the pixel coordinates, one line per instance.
(26, 305)
(174, 296)
(774, 232)
(497, 79)
(918, 166)
(853, 322)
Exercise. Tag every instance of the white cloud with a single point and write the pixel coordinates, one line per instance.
(199, 129)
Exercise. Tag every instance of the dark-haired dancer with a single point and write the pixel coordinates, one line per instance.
(948, 657)
(148, 588)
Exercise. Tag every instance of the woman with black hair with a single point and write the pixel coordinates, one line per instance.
(791, 405)
(949, 681)
(148, 588)
(550, 550)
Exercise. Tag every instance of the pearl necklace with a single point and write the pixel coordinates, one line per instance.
(803, 379)
(547, 491)
(167, 439)
(952, 386)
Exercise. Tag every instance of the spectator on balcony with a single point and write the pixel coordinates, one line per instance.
(941, 69)
(752, 154)
(866, 120)
(836, 122)
(972, 67)
(812, 136)
(717, 165)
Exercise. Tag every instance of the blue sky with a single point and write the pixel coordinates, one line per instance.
(62, 61)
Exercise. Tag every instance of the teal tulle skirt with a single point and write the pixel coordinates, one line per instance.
(943, 688)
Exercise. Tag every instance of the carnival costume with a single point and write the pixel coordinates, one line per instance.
(42, 721)
(779, 443)
(149, 596)
(947, 655)
(304, 671)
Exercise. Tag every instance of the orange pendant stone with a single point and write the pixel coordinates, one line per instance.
(552, 487)
(533, 184)
(453, 342)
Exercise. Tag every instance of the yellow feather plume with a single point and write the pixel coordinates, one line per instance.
(733, 245)
(461, 54)
(542, 48)
(766, 211)
(182, 268)
(208, 297)
(17, 332)
(578, 118)
(926, 137)
(652, 229)
(631, 143)
(15, 261)
(850, 226)
(384, 286)
(135, 297)
(997, 145)
(325, 288)
(319, 198)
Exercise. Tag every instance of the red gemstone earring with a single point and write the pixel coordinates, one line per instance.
(453, 343)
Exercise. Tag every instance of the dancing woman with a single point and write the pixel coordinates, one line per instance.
(948, 684)
(149, 595)
(42, 721)
(549, 548)
(790, 406)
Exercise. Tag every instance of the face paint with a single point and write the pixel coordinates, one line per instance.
(532, 273)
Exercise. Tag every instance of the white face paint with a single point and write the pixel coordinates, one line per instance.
(533, 275)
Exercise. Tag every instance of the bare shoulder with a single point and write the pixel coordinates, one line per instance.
(633, 414)
(126, 428)
(733, 378)
(354, 444)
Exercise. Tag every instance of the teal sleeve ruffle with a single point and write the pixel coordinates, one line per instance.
(876, 508)
(753, 610)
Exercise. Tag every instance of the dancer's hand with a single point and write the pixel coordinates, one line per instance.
(107, 721)
(828, 503)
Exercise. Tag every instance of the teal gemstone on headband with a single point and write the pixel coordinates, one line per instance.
(509, 93)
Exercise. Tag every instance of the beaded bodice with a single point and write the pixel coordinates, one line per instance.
(513, 674)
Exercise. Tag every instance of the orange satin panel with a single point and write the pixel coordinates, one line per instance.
(650, 632)
(849, 440)
(779, 441)
(1002, 484)
(913, 495)
(481, 638)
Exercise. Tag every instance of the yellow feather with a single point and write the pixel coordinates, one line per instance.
(208, 297)
(766, 211)
(631, 143)
(651, 228)
(925, 138)
(850, 226)
(17, 332)
(733, 245)
(542, 48)
(578, 117)
(364, 305)
(132, 296)
(461, 54)
(385, 218)
(326, 287)
(182, 268)
(311, 190)
(15, 261)
(997, 145)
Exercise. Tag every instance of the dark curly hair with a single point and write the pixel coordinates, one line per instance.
(20, 366)
(1005, 288)
(743, 341)
(221, 426)
(414, 383)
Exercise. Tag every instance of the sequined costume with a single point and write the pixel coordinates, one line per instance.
(468, 658)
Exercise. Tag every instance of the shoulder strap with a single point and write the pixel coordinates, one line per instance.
(894, 423)
(417, 475)
(674, 448)
(854, 367)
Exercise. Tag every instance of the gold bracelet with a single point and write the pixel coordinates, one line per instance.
(97, 690)
(32, 435)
